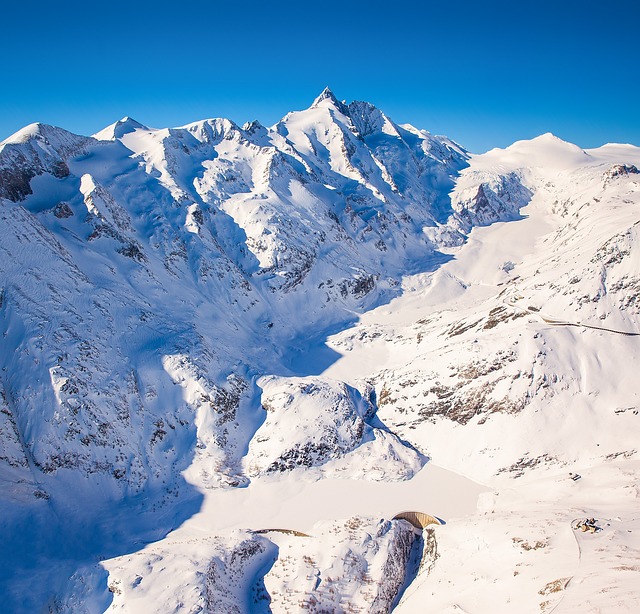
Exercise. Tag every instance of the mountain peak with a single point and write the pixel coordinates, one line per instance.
(38, 131)
(328, 95)
(253, 126)
(549, 142)
(119, 129)
(24, 134)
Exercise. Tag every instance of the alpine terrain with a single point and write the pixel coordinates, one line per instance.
(233, 354)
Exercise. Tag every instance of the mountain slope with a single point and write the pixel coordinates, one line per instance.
(191, 310)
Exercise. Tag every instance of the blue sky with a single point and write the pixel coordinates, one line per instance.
(484, 73)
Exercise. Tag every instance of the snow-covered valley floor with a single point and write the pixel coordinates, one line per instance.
(295, 503)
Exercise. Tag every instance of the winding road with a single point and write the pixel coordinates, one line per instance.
(555, 322)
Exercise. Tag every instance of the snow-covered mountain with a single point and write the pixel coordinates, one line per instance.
(211, 318)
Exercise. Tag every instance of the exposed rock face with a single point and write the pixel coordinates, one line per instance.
(620, 170)
(310, 422)
(362, 567)
(35, 150)
(498, 198)
(233, 582)
(11, 450)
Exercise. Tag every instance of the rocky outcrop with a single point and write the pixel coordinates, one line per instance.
(33, 151)
(360, 562)
(497, 198)
(310, 422)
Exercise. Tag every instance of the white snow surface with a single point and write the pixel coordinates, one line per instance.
(213, 334)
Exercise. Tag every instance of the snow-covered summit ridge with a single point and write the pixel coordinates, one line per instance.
(546, 150)
(118, 129)
(35, 150)
(44, 135)
(364, 173)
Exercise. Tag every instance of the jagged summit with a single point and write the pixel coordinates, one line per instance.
(328, 98)
(367, 118)
(326, 94)
(252, 126)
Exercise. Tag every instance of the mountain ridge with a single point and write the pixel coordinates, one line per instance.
(189, 312)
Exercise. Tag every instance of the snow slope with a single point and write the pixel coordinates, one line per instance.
(514, 364)
(215, 330)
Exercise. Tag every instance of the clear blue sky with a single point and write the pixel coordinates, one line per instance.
(484, 73)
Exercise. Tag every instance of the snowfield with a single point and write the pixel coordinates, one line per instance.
(233, 354)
